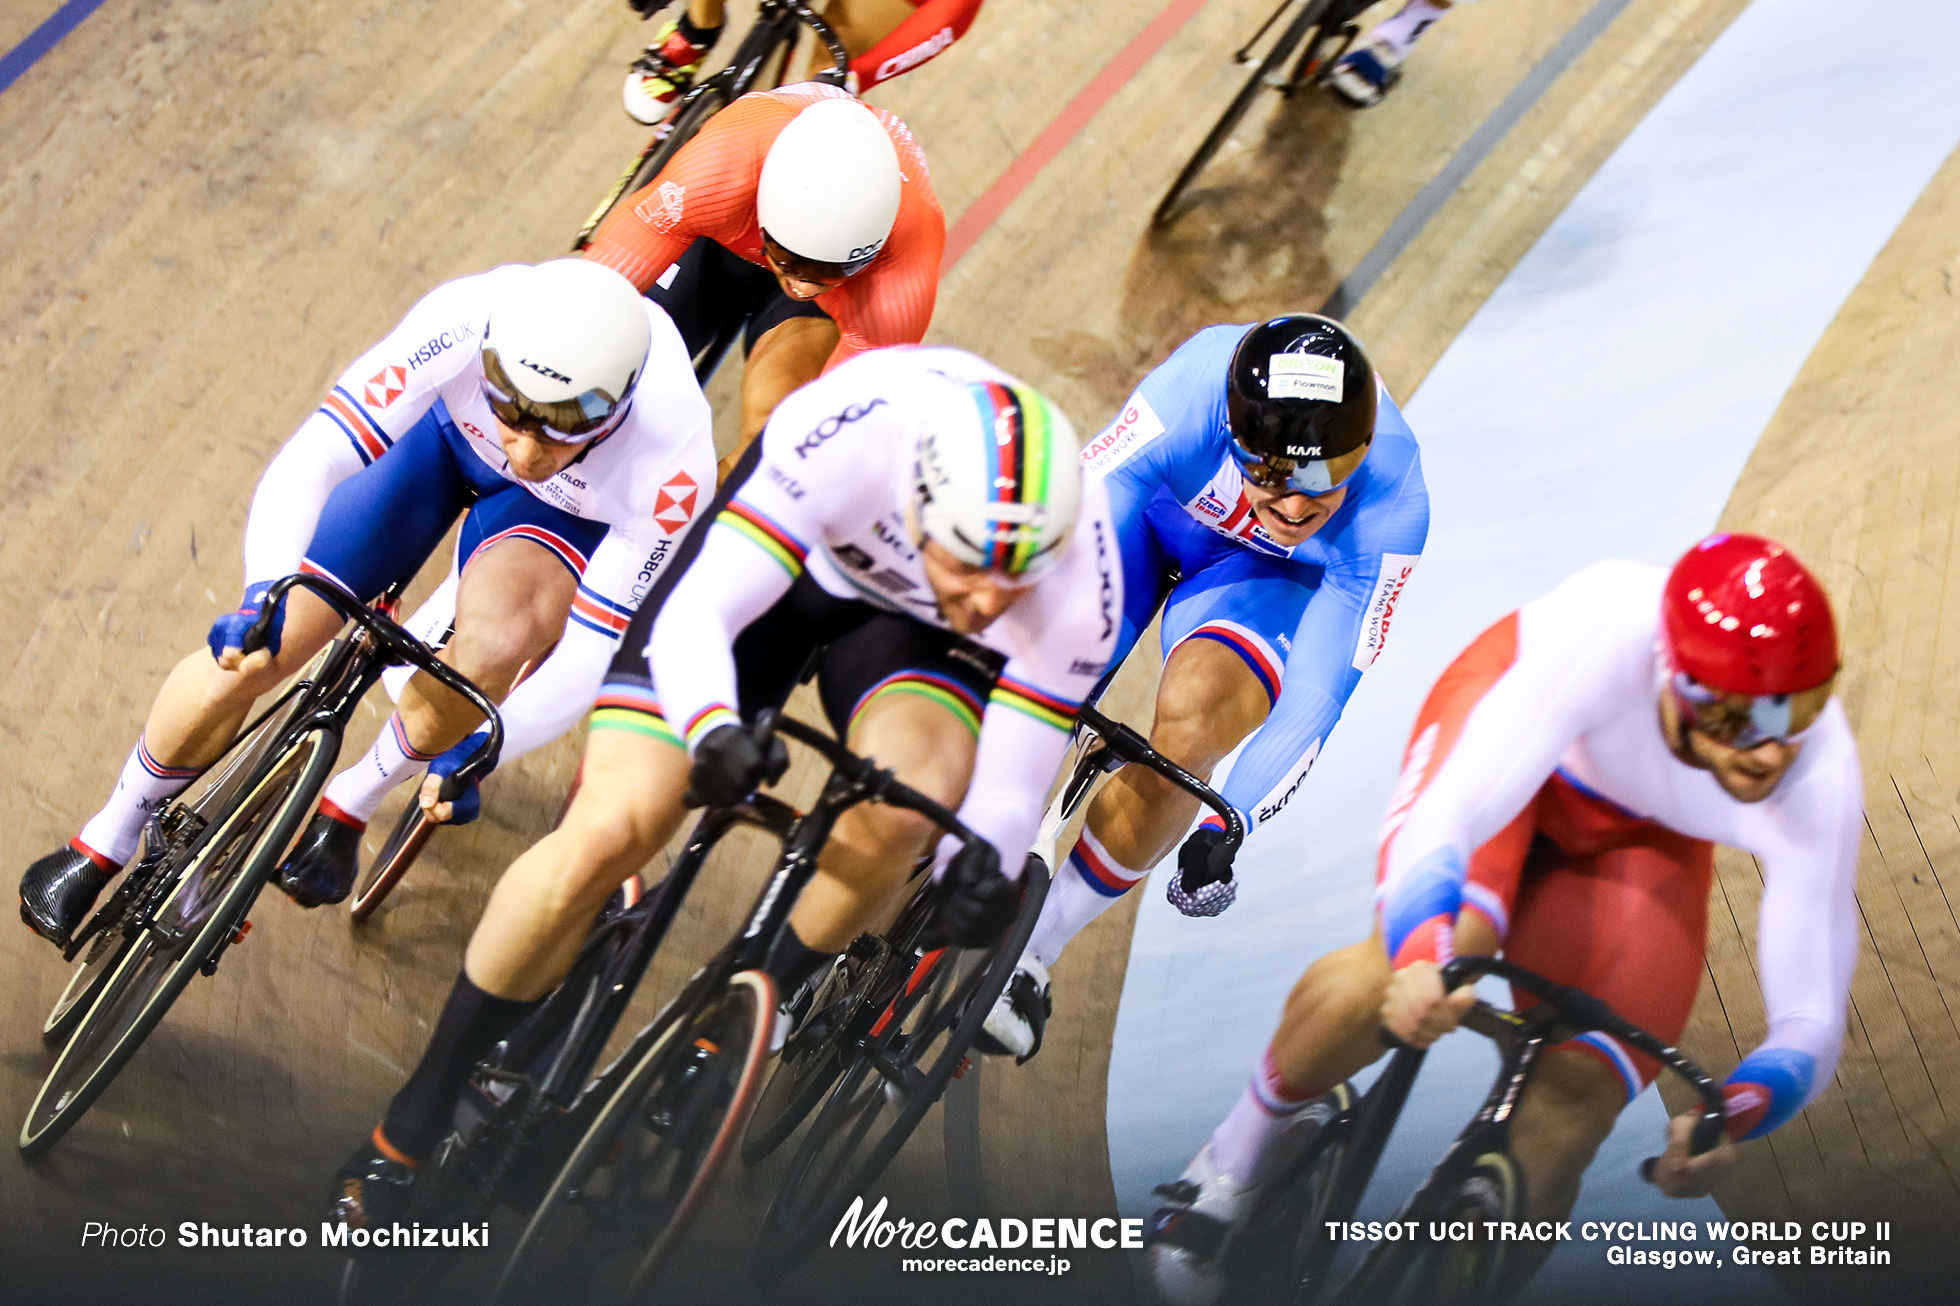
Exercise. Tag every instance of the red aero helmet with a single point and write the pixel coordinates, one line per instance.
(1743, 616)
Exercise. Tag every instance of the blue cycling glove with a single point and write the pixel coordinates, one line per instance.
(229, 630)
(468, 805)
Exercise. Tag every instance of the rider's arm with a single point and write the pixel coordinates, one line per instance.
(708, 189)
(1807, 945)
(1340, 635)
(374, 403)
(926, 33)
(1452, 797)
(1168, 420)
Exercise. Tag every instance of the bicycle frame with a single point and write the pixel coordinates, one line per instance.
(1521, 1038)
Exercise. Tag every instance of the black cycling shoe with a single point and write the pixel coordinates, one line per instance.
(322, 866)
(57, 892)
(373, 1189)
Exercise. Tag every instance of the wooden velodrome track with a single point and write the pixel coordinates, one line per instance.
(206, 210)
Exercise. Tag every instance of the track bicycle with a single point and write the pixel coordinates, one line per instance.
(893, 1024)
(1316, 38)
(613, 1167)
(187, 900)
(1284, 1254)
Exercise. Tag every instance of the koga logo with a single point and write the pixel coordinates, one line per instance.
(1396, 570)
(917, 55)
(542, 370)
(1283, 792)
(1108, 592)
(831, 425)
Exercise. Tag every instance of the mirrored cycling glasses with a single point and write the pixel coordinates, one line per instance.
(568, 421)
(798, 268)
(1314, 478)
(1748, 721)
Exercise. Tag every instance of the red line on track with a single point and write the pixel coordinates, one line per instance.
(1075, 115)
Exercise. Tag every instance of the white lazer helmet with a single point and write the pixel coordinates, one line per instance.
(829, 189)
(998, 478)
(565, 343)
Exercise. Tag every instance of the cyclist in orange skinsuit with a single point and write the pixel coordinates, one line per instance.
(813, 308)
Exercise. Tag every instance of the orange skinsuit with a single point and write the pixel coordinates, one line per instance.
(709, 190)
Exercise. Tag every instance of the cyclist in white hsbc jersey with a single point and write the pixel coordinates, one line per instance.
(556, 412)
(1560, 799)
(923, 519)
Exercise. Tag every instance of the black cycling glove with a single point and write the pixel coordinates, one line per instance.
(728, 767)
(1203, 885)
(977, 902)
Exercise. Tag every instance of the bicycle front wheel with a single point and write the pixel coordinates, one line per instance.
(214, 888)
(1305, 27)
(922, 1021)
(1472, 1272)
(405, 843)
(626, 1195)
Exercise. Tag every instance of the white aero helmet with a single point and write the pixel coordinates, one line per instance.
(998, 478)
(566, 341)
(830, 185)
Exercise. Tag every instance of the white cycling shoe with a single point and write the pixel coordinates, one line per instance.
(1185, 1239)
(1019, 1014)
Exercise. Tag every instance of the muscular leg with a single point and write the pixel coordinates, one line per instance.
(873, 848)
(627, 807)
(788, 355)
(1207, 701)
(510, 609)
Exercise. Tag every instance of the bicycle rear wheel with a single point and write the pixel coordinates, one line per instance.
(1284, 1254)
(703, 103)
(212, 891)
(815, 1054)
(630, 1188)
(1302, 28)
(405, 843)
(928, 1013)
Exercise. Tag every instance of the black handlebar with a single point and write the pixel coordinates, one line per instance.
(1583, 1012)
(840, 58)
(880, 785)
(1126, 745)
(398, 646)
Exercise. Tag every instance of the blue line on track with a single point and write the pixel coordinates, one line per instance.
(43, 39)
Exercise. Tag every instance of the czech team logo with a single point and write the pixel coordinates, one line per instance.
(673, 506)
(386, 386)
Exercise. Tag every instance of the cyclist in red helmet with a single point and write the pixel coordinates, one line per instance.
(1560, 801)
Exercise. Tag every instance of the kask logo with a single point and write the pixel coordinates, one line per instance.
(386, 386)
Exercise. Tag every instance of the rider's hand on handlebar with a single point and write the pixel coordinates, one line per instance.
(977, 901)
(1679, 1175)
(227, 633)
(1417, 1010)
(1203, 885)
(728, 767)
(466, 806)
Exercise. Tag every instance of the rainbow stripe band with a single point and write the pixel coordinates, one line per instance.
(1024, 439)
(1057, 712)
(632, 708)
(943, 690)
(709, 719)
(765, 535)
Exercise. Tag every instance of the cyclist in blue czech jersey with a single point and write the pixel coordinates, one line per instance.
(1267, 492)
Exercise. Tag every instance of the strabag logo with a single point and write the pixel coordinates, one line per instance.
(1396, 570)
(1136, 426)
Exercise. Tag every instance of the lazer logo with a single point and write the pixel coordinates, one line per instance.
(831, 425)
(542, 370)
(917, 55)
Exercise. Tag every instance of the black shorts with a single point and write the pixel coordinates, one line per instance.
(712, 293)
(856, 651)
